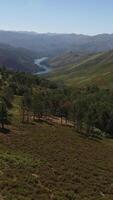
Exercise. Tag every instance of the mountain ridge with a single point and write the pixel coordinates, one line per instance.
(52, 44)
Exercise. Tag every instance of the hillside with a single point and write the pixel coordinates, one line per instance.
(17, 59)
(84, 69)
(56, 143)
(52, 162)
(49, 44)
(67, 59)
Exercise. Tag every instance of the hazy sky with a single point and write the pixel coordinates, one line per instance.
(61, 16)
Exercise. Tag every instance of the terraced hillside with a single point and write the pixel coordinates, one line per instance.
(84, 69)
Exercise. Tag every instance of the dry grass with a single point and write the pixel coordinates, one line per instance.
(51, 162)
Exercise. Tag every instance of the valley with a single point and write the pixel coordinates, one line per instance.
(42, 68)
(56, 124)
(67, 58)
(56, 100)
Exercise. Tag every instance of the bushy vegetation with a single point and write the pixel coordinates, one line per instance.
(89, 109)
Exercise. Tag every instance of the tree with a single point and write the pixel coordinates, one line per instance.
(90, 119)
(3, 113)
(26, 106)
(38, 105)
(8, 96)
(64, 110)
(79, 108)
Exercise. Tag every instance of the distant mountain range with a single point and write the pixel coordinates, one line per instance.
(17, 59)
(54, 44)
(77, 59)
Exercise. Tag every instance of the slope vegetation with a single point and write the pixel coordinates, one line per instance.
(84, 69)
(40, 160)
(52, 162)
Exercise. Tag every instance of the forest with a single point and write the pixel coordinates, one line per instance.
(88, 109)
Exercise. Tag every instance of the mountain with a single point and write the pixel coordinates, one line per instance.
(17, 59)
(81, 70)
(54, 44)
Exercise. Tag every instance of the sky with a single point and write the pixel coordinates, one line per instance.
(88, 17)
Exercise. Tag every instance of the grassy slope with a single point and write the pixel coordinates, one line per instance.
(42, 161)
(46, 162)
(96, 68)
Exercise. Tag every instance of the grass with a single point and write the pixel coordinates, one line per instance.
(92, 68)
(53, 162)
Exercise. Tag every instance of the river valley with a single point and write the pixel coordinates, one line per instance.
(42, 68)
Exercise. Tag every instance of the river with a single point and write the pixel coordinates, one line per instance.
(41, 67)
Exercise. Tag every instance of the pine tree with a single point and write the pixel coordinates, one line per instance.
(3, 113)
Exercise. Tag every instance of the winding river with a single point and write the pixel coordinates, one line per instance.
(41, 67)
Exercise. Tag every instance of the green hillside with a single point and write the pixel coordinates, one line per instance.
(83, 70)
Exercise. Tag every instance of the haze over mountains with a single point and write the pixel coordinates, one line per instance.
(54, 44)
(74, 59)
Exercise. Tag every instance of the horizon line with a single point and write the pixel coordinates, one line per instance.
(55, 33)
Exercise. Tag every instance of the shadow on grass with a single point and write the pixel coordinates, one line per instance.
(42, 121)
(109, 136)
(28, 123)
(93, 137)
(39, 121)
(89, 137)
(4, 130)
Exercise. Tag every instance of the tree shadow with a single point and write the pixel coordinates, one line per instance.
(109, 136)
(91, 137)
(96, 138)
(42, 121)
(28, 123)
(4, 130)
